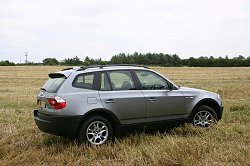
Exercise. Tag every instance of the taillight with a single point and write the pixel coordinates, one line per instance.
(57, 102)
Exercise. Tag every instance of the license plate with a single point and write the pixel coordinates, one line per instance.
(41, 103)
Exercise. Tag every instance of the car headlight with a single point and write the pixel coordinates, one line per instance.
(219, 97)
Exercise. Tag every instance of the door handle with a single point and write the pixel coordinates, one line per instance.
(151, 99)
(110, 101)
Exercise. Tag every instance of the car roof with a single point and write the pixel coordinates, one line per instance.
(85, 69)
(102, 68)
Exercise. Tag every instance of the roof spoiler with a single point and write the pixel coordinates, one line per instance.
(56, 75)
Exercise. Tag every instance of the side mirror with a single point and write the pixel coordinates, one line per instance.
(171, 86)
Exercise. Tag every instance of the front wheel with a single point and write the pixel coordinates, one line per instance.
(96, 130)
(204, 117)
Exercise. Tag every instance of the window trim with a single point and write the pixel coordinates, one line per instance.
(141, 88)
(95, 81)
(137, 87)
(99, 81)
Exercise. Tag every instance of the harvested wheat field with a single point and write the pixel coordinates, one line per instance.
(227, 143)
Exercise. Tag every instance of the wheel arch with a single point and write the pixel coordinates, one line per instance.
(208, 102)
(110, 116)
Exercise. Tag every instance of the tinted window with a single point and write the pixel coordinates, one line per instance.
(53, 84)
(105, 85)
(151, 81)
(121, 80)
(85, 81)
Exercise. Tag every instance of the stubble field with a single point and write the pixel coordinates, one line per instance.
(227, 143)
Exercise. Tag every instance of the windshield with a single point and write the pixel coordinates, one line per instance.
(53, 84)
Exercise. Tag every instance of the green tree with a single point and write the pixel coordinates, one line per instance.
(86, 61)
(75, 61)
(50, 61)
(7, 63)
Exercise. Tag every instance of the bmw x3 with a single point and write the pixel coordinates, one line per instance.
(93, 103)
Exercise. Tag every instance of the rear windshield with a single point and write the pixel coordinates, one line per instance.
(53, 84)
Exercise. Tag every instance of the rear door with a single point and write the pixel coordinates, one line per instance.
(120, 95)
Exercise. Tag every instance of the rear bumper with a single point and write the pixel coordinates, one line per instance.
(58, 125)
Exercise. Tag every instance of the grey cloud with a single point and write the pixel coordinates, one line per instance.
(100, 29)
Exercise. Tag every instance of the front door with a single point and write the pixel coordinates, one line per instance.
(162, 103)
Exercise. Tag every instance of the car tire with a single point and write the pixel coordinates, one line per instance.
(204, 117)
(95, 130)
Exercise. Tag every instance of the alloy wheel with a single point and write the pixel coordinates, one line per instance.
(203, 119)
(97, 133)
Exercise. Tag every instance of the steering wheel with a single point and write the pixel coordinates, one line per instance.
(157, 86)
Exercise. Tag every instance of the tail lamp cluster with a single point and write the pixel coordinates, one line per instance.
(57, 102)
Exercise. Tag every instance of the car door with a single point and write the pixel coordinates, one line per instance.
(119, 94)
(162, 103)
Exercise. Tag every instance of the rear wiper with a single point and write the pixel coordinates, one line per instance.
(43, 89)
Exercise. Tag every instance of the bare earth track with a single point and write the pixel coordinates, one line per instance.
(227, 143)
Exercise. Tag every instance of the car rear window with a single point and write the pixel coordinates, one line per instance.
(54, 83)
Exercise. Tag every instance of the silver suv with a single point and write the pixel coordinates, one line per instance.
(93, 103)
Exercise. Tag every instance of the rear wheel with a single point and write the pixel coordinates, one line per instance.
(204, 117)
(96, 130)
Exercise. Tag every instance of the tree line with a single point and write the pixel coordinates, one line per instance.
(75, 61)
(168, 60)
(149, 59)
(7, 63)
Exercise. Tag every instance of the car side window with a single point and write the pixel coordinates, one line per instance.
(85, 81)
(105, 85)
(121, 80)
(151, 81)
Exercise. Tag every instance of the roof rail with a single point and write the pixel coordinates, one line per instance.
(87, 67)
(67, 68)
(129, 65)
(102, 66)
(71, 68)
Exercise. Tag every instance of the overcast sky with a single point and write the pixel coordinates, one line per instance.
(103, 28)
